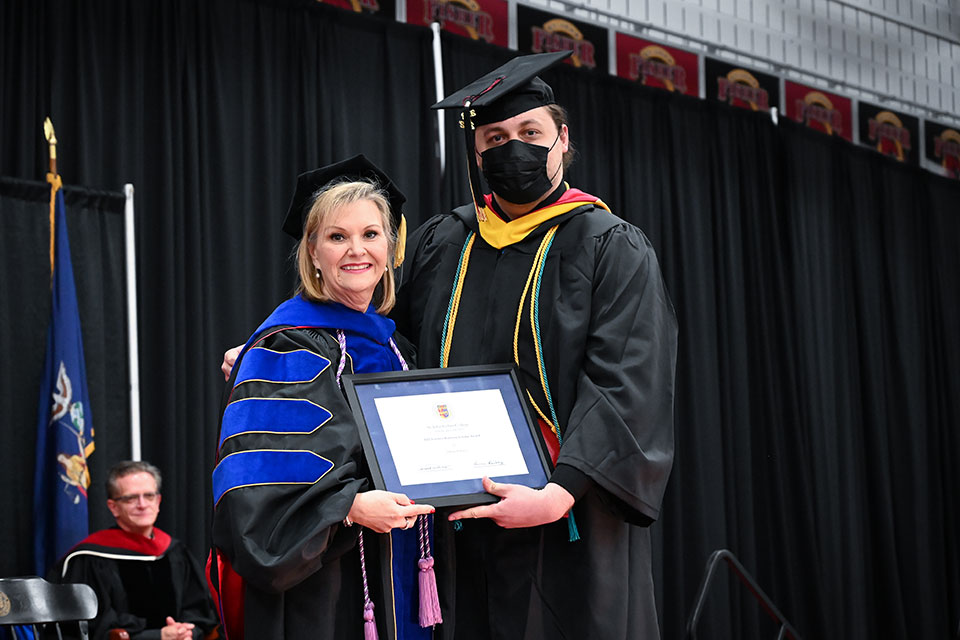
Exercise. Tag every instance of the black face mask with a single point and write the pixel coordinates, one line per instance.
(517, 171)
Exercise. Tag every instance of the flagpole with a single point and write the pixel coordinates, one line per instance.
(132, 339)
(438, 82)
(65, 425)
(51, 137)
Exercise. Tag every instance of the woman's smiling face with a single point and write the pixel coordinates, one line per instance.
(351, 253)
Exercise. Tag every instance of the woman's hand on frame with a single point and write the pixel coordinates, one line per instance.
(382, 511)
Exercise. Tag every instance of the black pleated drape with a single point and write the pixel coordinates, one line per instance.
(818, 391)
(875, 290)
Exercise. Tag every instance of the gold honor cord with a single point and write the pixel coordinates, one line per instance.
(538, 260)
(454, 305)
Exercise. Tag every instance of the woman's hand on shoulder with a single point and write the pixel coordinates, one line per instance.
(229, 359)
(382, 511)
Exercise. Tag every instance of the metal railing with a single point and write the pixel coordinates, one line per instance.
(786, 629)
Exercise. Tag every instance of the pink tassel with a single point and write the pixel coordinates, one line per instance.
(369, 625)
(429, 600)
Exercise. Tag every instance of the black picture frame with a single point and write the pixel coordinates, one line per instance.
(362, 390)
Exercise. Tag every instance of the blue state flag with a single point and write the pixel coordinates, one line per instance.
(64, 425)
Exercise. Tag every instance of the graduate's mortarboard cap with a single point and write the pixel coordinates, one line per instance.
(507, 90)
(351, 169)
(503, 93)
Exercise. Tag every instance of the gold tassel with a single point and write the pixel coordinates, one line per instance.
(400, 252)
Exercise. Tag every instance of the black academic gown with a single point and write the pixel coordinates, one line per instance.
(290, 463)
(138, 588)
(608, 338)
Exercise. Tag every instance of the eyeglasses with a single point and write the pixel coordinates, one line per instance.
(149, 498)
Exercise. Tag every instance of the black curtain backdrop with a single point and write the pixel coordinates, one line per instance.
(818, 395)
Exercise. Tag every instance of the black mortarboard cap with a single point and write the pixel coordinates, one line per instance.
(355, 168)
(508, 90)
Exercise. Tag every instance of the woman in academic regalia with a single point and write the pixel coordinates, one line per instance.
(291, 490)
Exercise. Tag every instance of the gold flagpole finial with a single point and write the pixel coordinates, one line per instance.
(51, 137)
(54, 181)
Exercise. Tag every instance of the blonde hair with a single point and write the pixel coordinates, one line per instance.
(326, 202)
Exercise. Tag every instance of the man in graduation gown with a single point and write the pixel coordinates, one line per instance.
(146, 582)
(543, 275)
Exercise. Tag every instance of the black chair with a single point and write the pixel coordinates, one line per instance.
(35, 602)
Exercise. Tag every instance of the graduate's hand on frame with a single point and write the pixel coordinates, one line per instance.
(229, 359)
(382, 511)
(520, 506)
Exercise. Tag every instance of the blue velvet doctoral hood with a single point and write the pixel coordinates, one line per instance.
(367, 333)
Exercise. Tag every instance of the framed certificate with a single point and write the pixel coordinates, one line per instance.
(433, 434)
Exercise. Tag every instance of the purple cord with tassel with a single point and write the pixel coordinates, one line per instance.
(429, 599)
(427, 579)
(369, 624)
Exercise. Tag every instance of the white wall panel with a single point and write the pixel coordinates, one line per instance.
(710, 29)
(674, 17)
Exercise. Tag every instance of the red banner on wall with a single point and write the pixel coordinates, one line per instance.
(386, 8)
(656, 65)
(943, 147)
(740, 87)
(890, 132)
(476, 19)
(542, 32)
(818, 109)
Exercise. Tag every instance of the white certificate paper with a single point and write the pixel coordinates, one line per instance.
(444, 437)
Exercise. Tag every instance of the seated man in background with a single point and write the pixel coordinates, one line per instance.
(147, 582)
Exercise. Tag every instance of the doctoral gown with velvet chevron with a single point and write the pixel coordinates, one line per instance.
(289, 466)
